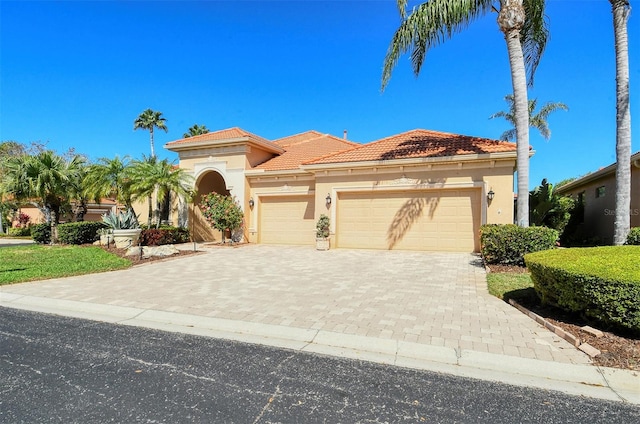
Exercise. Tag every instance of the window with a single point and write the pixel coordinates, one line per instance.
(581, 197)
(600, 192)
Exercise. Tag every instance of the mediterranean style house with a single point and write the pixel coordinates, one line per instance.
(419, 190)
(597, 194)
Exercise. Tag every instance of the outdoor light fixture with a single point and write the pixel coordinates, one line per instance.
(328, 199)
(251, 203)
(490, 195)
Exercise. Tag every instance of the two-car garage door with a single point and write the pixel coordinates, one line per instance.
(446, 220)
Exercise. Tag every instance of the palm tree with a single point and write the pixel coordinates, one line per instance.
(109, 178)
(45, 178)
(621, 226)
(196, 130)
(162, 177)
(148, 120)
(538, 121)
(524, 27)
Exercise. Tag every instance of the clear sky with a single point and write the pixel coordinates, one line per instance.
(78, 73)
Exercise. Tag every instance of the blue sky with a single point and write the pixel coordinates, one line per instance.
(77, 74)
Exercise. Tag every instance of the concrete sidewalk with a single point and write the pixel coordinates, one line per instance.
(419, 310)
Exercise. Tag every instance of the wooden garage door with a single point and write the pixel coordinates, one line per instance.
(446, 220)
(287, 220)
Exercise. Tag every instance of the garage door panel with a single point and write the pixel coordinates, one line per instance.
(287, 220)
(409, 220)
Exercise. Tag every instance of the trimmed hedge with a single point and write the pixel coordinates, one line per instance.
(508, 243)
(20, 231)
(79, 232)
(41, 233)
(164, 235)
(634, 237)
(602, 283)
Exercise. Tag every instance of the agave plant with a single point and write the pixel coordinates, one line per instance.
(121, 220)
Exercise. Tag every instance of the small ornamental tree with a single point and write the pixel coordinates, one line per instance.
(222, 212)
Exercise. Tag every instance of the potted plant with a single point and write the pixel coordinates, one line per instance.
(322, 233)
(106, 236)
(125, 228)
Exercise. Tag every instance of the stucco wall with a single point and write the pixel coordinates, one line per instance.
(599, 213)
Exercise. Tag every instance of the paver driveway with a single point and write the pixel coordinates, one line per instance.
(431, 298)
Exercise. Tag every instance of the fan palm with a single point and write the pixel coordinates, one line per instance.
(148, 120)
(109, 178)
(622, 223)
(161, 177)
(538, 121)
(47, 179)
(523, 24)
(196, 130)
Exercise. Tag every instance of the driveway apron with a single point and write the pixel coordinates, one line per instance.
(437, 299)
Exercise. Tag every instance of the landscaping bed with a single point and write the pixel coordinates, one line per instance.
(618, 349)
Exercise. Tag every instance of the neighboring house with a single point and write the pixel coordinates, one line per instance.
(597, 193)
(94, 212)
(419, 190)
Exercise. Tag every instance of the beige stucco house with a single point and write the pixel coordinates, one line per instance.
(419, 190)
(597, 193)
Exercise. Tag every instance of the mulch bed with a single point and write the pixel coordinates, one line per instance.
(619, 350)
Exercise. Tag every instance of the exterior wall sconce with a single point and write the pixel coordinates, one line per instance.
(251, 203)
(490, 195)
(328, 199)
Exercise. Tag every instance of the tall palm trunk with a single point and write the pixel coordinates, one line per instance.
(153, 152)
(622, 223)
(510, 19)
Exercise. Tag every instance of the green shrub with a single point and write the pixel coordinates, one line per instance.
(222, 212)
(79, 232)
(163, 235)
(323, 227)
(602, 283)
(507, 244)
(634, 237)
(20, 231)
(41, 233)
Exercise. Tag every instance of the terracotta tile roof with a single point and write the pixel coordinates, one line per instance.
(234, 132)
(305, 147)
(297, 138)
(418, 144)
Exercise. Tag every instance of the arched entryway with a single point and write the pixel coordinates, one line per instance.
(208, 182)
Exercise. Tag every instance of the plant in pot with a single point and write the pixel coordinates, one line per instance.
(124, 227)
(323, 232)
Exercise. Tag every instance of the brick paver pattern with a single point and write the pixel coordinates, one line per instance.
(437, 299)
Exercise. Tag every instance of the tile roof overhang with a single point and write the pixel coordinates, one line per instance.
(416, 147)
(230, 136)
(300, 148)
(608, 170)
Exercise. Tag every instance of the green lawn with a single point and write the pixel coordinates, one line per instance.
(510, 285)
(35, 262)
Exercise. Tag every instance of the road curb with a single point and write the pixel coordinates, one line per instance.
(586, 380)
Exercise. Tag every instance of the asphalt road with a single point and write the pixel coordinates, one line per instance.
(57, 369)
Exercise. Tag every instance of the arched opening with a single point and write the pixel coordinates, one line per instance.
(210, 182)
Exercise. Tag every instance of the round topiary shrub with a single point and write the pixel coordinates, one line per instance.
(602, 283)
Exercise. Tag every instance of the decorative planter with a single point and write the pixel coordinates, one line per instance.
(126, 238)
(106, 239)
(322, 244)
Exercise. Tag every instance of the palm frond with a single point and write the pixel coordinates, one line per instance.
(534, 35)
(427, 26)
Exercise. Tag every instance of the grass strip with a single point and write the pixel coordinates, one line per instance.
(35, 262)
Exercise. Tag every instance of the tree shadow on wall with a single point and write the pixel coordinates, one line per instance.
(410, 212)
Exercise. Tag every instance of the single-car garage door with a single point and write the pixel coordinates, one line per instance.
(287, 220)
(446, 220)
